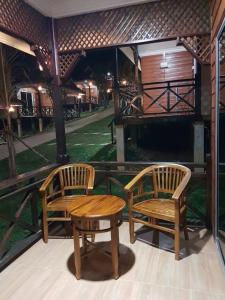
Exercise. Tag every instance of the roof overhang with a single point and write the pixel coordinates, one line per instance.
(15, 43)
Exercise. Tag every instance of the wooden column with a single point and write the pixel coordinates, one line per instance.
(198, 92)
(120, 143)
(198, 144)
(136, 69)
(116, 98)
(62, 156)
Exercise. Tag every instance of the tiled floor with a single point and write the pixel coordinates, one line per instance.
(46, 271)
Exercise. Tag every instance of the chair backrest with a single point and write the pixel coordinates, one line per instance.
(167, 177)
(76, 176)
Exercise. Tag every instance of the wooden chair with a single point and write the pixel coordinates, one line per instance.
(169, 179)
(57, 187)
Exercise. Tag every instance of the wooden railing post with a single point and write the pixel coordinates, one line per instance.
(168, 97)
(116, 88)
(34, 208)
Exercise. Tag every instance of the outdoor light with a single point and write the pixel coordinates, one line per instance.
(40, 67)
(90, 83)
(79, 96)
(124, 82)
(40, 88)
(11, 109)
(108, 74)
(108, 91)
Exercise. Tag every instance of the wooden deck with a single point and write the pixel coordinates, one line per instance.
(45, 271)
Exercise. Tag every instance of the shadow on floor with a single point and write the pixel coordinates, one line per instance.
(198, 237)
(98, 266)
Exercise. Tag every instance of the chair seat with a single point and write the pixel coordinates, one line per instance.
(62, 203)
(163, 209)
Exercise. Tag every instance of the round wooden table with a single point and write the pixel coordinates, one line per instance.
(89, 210)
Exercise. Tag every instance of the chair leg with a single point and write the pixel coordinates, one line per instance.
(186, 236)
(131, 227)
(45, 226)
(155, 233)
(177, 241)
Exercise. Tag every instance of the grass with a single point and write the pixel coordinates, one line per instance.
(92, 142)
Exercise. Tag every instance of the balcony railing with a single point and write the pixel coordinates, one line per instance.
(164, 97)
(21, 210)
(47, 112)
(35, 111)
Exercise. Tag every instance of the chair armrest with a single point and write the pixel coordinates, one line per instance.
(130, 186)
(91, 180)
(181, 187)
(47, 181)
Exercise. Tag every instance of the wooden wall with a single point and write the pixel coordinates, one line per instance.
(179, 67)
(217, 16)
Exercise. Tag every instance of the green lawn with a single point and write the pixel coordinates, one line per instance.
(92, 142)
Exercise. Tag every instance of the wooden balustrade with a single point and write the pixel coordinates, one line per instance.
(20, 193)
(163, 97)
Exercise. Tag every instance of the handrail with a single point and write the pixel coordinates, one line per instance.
(169, 81)
(7, 183)
(144, 163)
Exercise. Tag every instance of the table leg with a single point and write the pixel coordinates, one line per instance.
(77, 258)
(114, 245)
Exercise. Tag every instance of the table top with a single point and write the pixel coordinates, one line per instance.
(95, 206)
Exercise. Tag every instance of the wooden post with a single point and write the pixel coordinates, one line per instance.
(89, 90)
(168, 97)
(116, 87)
(198, 92)
(19, 127)
(136, 69)
(62, 156)
(9, 135)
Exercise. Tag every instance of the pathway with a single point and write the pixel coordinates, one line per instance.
(41, 138)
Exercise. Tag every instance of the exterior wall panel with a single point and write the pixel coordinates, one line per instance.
(217, 15)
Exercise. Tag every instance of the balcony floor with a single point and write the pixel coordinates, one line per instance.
(45, 271)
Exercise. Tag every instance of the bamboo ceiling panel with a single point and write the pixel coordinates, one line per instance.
(138, 23)
(21, 20)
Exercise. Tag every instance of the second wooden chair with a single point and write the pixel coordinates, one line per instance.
(170, 179)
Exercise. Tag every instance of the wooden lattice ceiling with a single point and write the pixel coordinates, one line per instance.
(139, 23)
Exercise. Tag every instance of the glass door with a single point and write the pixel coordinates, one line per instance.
(220, 210)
